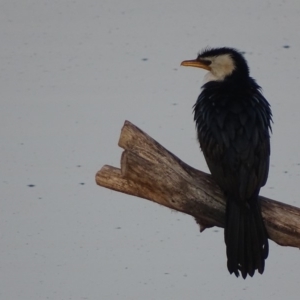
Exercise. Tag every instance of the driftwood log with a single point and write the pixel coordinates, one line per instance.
(150, 171)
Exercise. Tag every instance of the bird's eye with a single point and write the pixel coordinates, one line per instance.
(205, 61)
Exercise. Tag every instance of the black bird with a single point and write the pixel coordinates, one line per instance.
(233, 122)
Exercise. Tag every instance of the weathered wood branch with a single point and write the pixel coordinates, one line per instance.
(150, 171)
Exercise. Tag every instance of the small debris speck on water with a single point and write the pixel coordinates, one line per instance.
(144, 59)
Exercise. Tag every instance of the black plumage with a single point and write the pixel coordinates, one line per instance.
(233, 122)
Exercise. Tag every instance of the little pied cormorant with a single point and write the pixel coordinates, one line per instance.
(233, 122)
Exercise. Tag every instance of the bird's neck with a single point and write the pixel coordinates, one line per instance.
(232, 80)
(210, 77)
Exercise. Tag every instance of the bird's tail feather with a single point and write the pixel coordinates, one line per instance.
(246, 238)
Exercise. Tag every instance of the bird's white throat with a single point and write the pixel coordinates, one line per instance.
(221, 66)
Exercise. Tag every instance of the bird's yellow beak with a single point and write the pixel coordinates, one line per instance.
(195, 63)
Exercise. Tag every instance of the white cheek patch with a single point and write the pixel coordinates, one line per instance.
(221, 66)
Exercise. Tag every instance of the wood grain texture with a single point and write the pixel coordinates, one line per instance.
(151, 172)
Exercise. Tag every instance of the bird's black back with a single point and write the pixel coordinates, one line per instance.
(233, 123)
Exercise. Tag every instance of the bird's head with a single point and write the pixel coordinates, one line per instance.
(222, 63)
